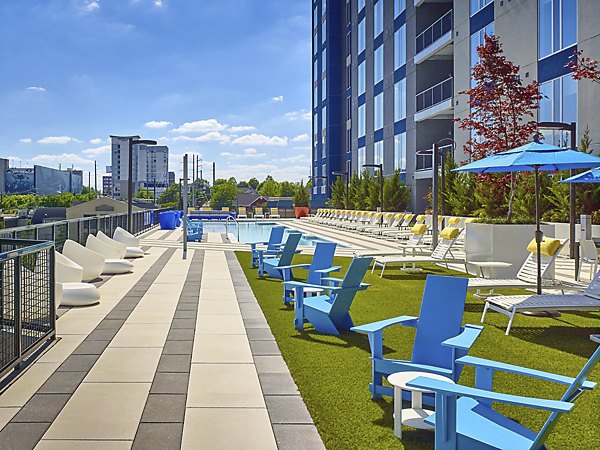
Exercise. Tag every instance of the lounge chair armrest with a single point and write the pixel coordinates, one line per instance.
(332, 279)
(254, 244)
(295, 284)
(464, 340)
(329, 270)
(295, 266)
(443, 387)
(495, 365)
(407, 321)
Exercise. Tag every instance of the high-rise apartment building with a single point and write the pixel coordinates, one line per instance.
(107, 185)
(387, 76)
(150, 166)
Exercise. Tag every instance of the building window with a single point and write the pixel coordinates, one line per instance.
(362, 119)
(323, 7)
(377, 18)
(324, 32)
(324, 89)
(315, 70)
(348, 13)
(362, 39)
(478, 5)
(316, 96)
(477, 39)
(315, 19)
(378, 153)
(323, 128)
(316, 127)
(400, 100)
(378, 114)
(378, 64)
(348, 108)
(400, 47)
(399, 7)
(557, 25)
(324, 61)
(400, 152)
(316, 43)
(362, 159)
(362, 77)
(349, 44)
(559, 104)
(361, 5)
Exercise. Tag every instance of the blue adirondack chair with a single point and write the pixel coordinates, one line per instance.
(320, 267)
(194, 230)
(274, 244)
(469, 422)
(270, 265)
(439, 341)
(330, 313)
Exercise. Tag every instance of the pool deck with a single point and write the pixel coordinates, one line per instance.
(177, 354)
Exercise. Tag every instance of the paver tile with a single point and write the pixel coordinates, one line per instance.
(270, 364)
(79, 445)
(62, 348)
(158, 436)
(292, 437)
(23, 389)
(220, 324)
(222, 349)
(210, 307)
(151, 315)
(77, 324)
(141, 335)
(125, 365)
(164, 408)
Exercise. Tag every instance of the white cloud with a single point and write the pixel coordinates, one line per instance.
(35, 89)
(157, 124)
(246, 153)
(277, 98)
(96, 141)
(158, 3)
(241, 128)
(58, 140)
(211, 136)
(104, 150)
(64, 158)
(260, 171)
(260, 139)
(92, 5)
(301, 138)
(301, 114)
(297, 159)
(25, 140)
(200, 126)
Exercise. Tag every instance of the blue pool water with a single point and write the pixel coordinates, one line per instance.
(256, 231)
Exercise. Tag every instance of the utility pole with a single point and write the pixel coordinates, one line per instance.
(193, 181)
(95, 179)
(214, 172)
(90, 181)
(185, 203)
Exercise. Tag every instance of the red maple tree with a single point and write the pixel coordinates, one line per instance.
(583, 67)
(502, 114)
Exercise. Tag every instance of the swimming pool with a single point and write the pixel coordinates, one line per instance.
(257, 231)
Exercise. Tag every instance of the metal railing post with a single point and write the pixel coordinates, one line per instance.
(17, 311)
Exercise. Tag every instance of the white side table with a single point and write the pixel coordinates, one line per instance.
(595, 338)
(415, 415)
(490, 266)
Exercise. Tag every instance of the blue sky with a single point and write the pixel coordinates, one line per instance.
(227, 79)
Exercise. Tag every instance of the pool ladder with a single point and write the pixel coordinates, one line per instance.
(237, 226)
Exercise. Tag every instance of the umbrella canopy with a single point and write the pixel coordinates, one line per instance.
(536, 156)
(591, 176)
(546, 157)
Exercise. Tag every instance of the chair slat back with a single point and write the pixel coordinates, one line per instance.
(355, 274)
(275, 238)
(322, 259)
(289, 249)
(593, 289)
(440, 318)
(442, 249)
(528, 271)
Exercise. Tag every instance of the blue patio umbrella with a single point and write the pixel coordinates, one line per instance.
(591, 176)
(536, 156)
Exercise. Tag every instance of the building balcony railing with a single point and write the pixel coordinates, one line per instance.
(434, 32)
(435, 94)
(424, 161)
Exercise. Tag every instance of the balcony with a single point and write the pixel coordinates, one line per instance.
(436, 40)
(435, 102)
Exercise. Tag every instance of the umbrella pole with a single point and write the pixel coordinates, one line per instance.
(539, 236)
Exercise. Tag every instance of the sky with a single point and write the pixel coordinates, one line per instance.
(229, 80)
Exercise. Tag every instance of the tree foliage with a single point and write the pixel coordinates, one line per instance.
(170, 197)
(301, 196)
(396, 195)
(223, 194)
(11, 203)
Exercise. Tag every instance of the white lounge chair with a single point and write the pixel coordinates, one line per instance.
(242, 214)
(274, 214)
(71, 290)
(588, 254)
(509, 305)
(414, 244)
(441, 254)
(132, 242)
(527, 275)
(258, 213)
(128, 252)
(113, 261)
(90, 261)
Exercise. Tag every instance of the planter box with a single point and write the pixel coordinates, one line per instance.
(499, 242)
(301, 211)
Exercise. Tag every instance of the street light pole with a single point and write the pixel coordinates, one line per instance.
(434, 189)
(131, 142)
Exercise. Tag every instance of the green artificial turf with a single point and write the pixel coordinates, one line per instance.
(333, 372)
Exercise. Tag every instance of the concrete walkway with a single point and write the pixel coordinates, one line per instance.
(177, 355)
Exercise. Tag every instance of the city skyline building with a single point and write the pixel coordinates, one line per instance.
(387, 76)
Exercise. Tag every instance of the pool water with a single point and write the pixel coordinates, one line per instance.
(257, 232)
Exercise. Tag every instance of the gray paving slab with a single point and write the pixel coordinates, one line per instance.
(277, 384)
(62, 383)
(178, 347)
(287, 409)
(182, 334)
(22, 436)
(89, 347)
(164, 408)
(175, 363)
(185, 314)
(42, 408)
(259, 334)
(264, 348)
(294, 437)
(183, 324)
(78, 363)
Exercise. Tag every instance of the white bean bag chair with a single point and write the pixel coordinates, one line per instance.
(90, 261)
(113, 256)
(125, 237)
(129, 252)
(70, 290)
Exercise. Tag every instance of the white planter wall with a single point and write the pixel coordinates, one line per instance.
(505, 243)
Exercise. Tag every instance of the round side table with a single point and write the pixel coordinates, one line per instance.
(415, 415)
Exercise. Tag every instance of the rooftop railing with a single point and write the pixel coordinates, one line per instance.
(435, 31)
(435, 94)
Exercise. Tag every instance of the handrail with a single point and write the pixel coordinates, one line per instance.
(237, 225)
(434, 32)
(435, 94)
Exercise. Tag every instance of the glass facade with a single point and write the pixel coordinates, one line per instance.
(378, 64)
(378, 153)
(361, 159)
(400, 100)
(399, 7)
(362, 120)
(400, 47)
(400, 152)
(378, 18)
(378, 112)
(557, 25)
(478, 5)
(362, 77)
(477, 39)
(558, 104)
(361, 5)
(362, 36)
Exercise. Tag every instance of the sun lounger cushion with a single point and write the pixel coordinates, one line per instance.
(420, 217)
(449, 233)
(470, 220)
(453, 221)
(547, 248)
(419, 228)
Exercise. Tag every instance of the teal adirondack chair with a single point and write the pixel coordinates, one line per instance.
(329, 313)
(439, 341)
(270, 265)
(469, 422)
(320, 267)
(274, 244)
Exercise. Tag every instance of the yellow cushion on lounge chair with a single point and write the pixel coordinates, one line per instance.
(449, 233)
(409, 216)
(470, 220)
(419, 229)
(420, 217)
(399, 216)
(454, 221)
(549, 246)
